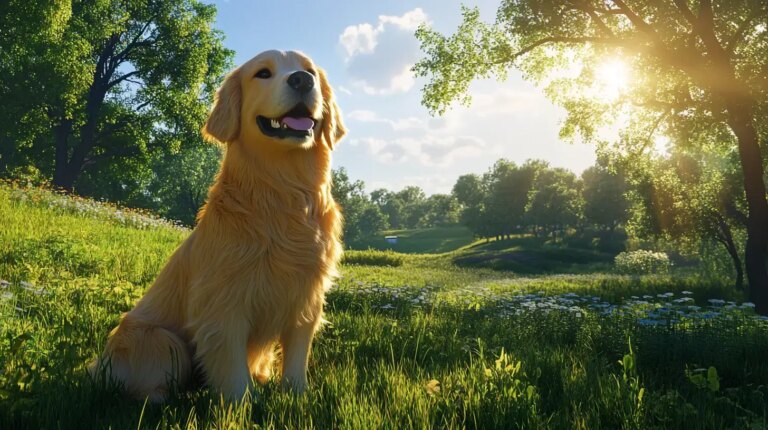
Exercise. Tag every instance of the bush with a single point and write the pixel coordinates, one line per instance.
(373, 257)
(642, 262)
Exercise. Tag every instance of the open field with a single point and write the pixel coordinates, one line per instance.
(420, 241)
(423, 344)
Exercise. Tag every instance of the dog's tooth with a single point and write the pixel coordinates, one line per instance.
(284, 125)
(275, 124)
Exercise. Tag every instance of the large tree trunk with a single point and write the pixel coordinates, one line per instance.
(741, 121)
(725, 237)
(62, 177)
(70, 166)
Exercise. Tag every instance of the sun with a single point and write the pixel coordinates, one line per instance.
(611, 79)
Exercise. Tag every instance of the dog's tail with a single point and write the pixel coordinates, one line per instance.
(148, 360)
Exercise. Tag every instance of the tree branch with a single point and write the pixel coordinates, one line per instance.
(637, 21)
(706, 24)
(122, 78)
(135, 42)
(682, 5)
(592, 12)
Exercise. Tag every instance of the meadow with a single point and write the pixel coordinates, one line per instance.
(449, 339)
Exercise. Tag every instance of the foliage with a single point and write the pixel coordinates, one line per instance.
(513, 198)
(642, 262)
(440, 210)
(179, 183)
(361, 217)
(605, 197)
(366, 216)
(555, 202)
(693, 199)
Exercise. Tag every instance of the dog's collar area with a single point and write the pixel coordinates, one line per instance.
(295, 123)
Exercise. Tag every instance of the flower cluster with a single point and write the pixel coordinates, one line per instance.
(89, 208)
(661, 309)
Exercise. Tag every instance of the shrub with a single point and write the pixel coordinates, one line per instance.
(373, 257)
(642, 262)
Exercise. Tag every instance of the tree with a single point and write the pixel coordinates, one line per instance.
(394, 211)
(362, 218)
(509, 188)
(106, 81)
(699, 72)
(412, 198)
(468, 190)
(371, 221)
(440, 210)
(605, 200)
(554, 202)
(179, 183)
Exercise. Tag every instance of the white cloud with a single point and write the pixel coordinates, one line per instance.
(358, 39)
(379, 58)
(409, 21)
(504, 101)
(344, 90)
(400, 124)
(427, 150)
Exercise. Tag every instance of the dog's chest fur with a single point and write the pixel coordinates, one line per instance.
(280, 234)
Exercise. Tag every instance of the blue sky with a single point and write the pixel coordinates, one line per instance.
(367, 47)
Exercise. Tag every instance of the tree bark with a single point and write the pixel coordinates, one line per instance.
(70, 166)
(741, 121)
(725, 236)
(61, 176)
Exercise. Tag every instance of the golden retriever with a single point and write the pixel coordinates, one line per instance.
(255, 270)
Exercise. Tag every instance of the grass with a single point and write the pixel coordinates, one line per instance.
(433, 240)
(425, 344)
(533, 255)
(373, 257)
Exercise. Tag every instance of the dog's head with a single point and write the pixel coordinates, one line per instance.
(278, 99)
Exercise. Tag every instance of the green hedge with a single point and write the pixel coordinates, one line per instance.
(373, 257)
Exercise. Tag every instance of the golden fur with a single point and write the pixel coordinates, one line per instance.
(255, 270)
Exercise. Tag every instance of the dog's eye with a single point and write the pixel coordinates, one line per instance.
(263, 74)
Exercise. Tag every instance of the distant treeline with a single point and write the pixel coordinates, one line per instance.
(528, 198)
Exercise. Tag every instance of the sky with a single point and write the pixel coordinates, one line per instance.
(367, 49)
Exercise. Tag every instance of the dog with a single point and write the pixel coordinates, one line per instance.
(255, 270)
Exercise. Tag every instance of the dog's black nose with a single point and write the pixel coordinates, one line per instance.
(301, 81)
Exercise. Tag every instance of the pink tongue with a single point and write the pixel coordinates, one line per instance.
(298, 123)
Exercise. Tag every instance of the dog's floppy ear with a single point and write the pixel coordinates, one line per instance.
(223, 123)
(333, 128)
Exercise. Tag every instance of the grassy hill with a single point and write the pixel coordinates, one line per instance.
(420, 343)
(434, 240)
(532, 255)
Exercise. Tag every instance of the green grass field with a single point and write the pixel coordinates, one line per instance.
(421, 241)
(423, 344)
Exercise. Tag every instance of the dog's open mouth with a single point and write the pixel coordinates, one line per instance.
(297, 122)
